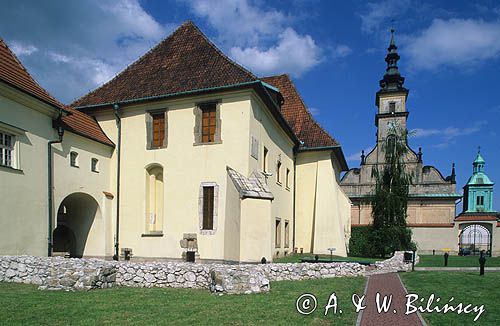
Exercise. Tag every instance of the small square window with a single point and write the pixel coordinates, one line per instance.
(73, 159)
(7, 149)
(94, 165)
(392, 107)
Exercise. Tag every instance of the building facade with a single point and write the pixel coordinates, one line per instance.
(432, 197)
(183, 154)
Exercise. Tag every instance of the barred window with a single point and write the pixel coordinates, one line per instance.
(6, 149)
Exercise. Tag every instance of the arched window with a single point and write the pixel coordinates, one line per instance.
(154, 200)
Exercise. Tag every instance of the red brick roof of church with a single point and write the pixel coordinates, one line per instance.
(298, 116)
(14, 74)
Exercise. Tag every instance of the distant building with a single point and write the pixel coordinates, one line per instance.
(479, 223)
(432, 197)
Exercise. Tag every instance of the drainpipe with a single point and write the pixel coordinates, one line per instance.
(50, 190)
(116, 108)
(295, 152)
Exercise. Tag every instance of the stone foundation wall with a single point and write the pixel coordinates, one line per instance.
(57, 273)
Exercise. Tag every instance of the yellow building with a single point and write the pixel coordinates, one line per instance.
(204, 160)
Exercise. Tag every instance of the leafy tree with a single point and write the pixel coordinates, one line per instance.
(389, 231)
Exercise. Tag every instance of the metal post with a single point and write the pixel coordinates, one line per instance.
(446, 259)
(413, 262)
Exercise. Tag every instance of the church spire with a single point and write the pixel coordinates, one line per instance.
(392, 80)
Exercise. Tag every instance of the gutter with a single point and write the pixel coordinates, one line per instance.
(116, 108)
(50, 181)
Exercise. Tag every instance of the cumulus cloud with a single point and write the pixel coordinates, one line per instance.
(293, 54)
(238, 21)
(454, 43)
(341, 51)
(78, 44)
(380, 13)
(357, 156)
(260, 37)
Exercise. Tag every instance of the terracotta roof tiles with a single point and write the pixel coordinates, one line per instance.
(298, 116)
(14, 74)
(184, 61)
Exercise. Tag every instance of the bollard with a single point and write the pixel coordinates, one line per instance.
(482, 262)
(316, 257)
(446, 259)
(433, 252)
(263, 260)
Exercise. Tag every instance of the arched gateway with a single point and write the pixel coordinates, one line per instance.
(78, 231)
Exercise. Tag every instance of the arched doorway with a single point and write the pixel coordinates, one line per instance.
(474, 238)
(77, 231)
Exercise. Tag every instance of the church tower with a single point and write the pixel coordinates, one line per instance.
(391, 98)
(478, 192)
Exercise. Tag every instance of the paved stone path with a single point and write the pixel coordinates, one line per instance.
(386, 284)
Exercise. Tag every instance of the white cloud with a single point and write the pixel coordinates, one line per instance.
(380, 13)
(260, 37)
(341, 51)
(456, 42)
(449, 134)
(238, 21)
(79, 44)
(21, 49)
(293, 54)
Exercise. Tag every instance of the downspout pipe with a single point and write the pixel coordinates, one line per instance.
(295, 153)
(50, 181)
(116, 109)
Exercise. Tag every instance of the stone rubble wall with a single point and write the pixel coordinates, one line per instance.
(394, 264)
(57, 273)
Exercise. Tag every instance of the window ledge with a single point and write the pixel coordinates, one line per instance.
(287, 188)
(155, 148)
(152, 235)
(279, 183)
(74, 166)
(217, 142)
(11, 169)
(207, 232)
(94, 171)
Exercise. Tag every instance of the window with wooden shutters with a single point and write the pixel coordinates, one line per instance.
(207, 128)
(156, 129)
(208, 122)
(208, 208)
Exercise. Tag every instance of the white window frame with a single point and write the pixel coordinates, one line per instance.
(75, 163)
(14, 133)
(215, 211)
(96, 167)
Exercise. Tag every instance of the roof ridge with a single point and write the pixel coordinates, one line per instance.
(158, 45)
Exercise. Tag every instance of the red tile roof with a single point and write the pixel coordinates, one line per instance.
(13, 73)
(298, 116)
(183, 62)
(472, 217)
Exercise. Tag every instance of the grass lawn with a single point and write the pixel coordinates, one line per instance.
(295, 258)
(464, 287)
(24, 304)
(456, 261)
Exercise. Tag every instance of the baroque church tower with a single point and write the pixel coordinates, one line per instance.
(432, 198)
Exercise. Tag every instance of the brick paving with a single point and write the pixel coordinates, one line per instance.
(387, 284)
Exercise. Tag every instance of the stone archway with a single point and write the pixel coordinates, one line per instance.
(78, 231)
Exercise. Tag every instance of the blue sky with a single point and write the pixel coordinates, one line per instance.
(334, 51)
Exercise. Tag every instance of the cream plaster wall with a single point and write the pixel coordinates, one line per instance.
(23, 192)
(322, 209)
(435, 238)
(69, 180)
(257, 236)
(280, 147)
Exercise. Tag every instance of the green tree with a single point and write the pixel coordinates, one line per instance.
(389, 231)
